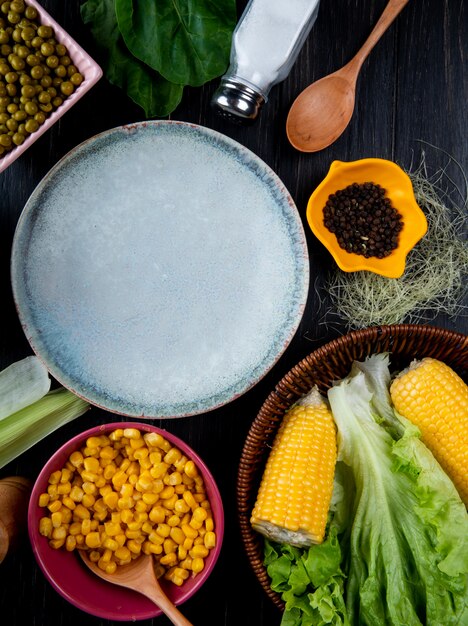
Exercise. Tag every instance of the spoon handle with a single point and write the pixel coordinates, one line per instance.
(156, 594)
(390, 12)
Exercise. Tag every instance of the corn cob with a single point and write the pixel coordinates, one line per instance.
(434, 398)
(296, 488)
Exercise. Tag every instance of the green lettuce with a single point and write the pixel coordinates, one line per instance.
(408, 551)
(396, 548)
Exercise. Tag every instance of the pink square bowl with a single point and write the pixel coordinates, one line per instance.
(89, 69)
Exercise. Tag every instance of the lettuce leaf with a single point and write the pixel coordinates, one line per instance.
(408, 553)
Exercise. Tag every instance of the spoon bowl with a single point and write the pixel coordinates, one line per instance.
(313, 123)
(140, 576)
(321, 113)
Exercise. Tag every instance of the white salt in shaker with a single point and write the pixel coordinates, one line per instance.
(265, 45)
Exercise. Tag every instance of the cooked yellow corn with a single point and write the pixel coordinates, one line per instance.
(434, 398)
(294, 496)
(130, 493)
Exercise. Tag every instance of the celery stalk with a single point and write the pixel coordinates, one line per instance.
(21, 430)
(21, 384)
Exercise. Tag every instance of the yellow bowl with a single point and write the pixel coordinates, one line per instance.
(399, 190)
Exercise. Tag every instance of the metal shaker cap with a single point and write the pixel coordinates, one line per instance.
(237, 101)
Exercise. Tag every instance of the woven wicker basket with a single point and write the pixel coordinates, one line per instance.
(329, 363)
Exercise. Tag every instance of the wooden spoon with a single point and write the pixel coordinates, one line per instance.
(321, 113)
(140, 576)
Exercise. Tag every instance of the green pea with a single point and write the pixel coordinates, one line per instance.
(44, 97)
(11, 90)
(76, 79)
(5, 140)
(37, 42)
(5, 49)
(31, 125)
(16, 35)
(61, 71)
(12, 124)
(52, 61)
(47, 49)
(37, 72)
(20, 115)
(32, 60)
(28, 33)
(47, 108)
(60, 50)
(30, 13)
(46, 81)
(13, 18)
(22, 51)
(17, 6)
(29, 91)
(18, 138)
(17, 63)
(11, 77)
(57, 101)
(31, 108)
(45, 31)
(67, 88)
(40, 117)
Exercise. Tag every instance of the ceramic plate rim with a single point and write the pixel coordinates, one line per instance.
(298, 247)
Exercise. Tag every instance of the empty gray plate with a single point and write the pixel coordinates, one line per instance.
(160, 269)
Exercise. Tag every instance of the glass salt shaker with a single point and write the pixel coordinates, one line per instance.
(265, 45)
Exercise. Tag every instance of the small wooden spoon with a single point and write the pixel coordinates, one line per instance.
(140, 576)
(321, 113)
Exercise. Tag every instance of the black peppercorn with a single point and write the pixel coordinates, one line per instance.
(363, 220)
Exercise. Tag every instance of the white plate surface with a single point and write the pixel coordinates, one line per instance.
(160, 269)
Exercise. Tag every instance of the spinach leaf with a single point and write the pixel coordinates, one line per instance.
(187, 41)
(156, 95)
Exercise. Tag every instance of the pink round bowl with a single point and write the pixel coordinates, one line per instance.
(71, 578)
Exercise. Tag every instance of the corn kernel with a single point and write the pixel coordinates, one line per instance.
(190, 469)
(93, 540)
(45, 526)
(76, 459)
(168, 559)
(44, 499)
(111, 499)
(199, 551)
(209, 540)
(181, 506)
(177, 534)
(76, 493)
(88, 500)
(197, 565)
(131, 433)
(81, 512)
(163, 530)
(70, 543)
(134, 546)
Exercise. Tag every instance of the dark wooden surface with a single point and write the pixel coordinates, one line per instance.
(412, 95)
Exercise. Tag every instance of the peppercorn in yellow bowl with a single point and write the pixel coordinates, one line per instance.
(377, 216)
